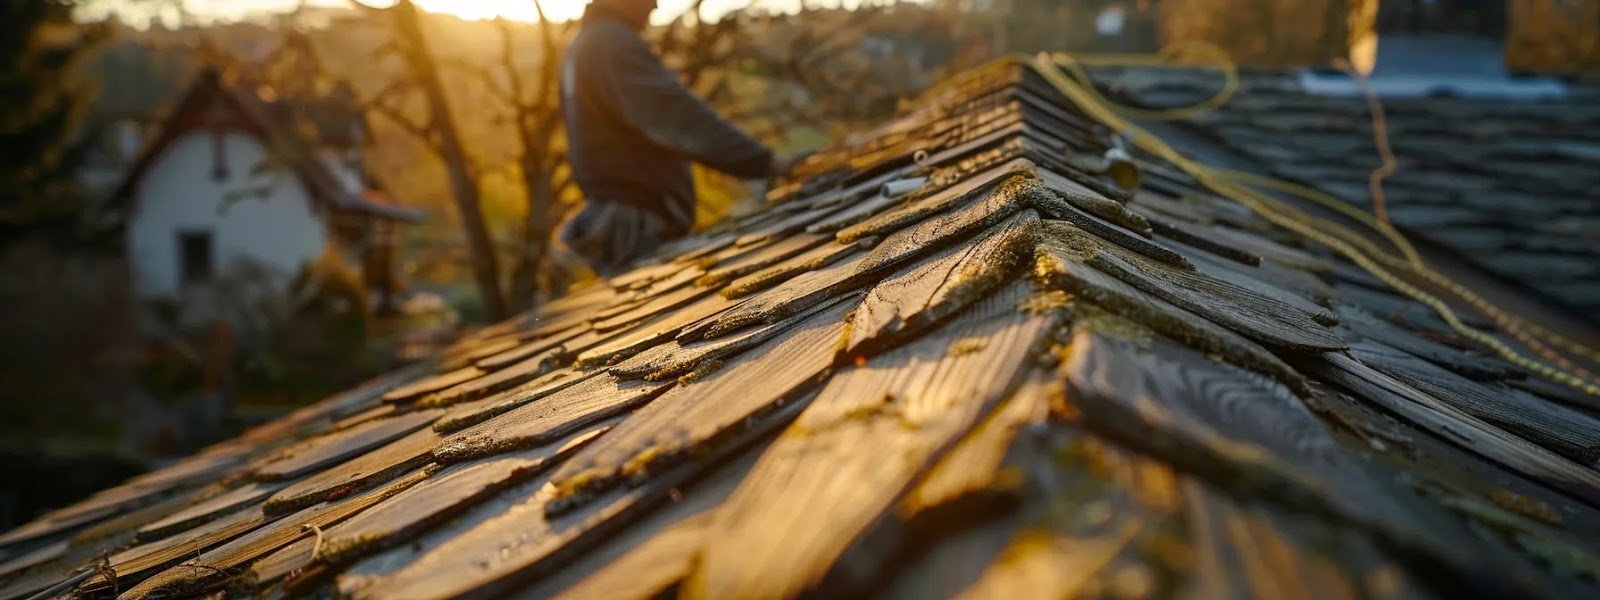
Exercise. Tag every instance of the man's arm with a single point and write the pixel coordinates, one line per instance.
(651, 99)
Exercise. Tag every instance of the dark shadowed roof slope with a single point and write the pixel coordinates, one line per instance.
(1004, 378)
(1512, 185)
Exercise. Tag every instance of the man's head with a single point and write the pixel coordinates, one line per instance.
(635, 12)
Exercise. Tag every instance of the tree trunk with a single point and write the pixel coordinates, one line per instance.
(485, 266)
(537, 178)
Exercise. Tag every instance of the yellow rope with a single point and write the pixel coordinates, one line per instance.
(1355, 247)
(1524, 331)
(1167, 58)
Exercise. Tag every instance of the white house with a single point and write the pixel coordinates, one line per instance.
(239, 192)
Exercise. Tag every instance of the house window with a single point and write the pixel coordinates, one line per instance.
(195, 256)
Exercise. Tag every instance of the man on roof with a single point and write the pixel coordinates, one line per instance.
(633, 129)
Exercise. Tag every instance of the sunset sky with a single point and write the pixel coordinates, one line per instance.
(138, 11)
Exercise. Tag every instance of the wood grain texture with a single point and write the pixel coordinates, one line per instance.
(1432, 414)
(776, 274)
(1166, 445)
(1445, 465)
(643, 276)
(653, 568)
(1349, 273)
(1156, 205)
(973, 464)
(373, 569)
(558, 313)
(545, 420)
(465, 415)
(139, 561)
(1403, 311)
(362, 397)
(447, 493)
(762, 257)
(1556, 392)
(433, 384)
(657, 306)
(651, 555)
(1016, 193)
(855, 213)
(1060, 266)
(633, 299)
(226, 503)
(783, 301)
(1086, 505)
(784, 231)
(568, 351)
(371, 414)
(691, 417)
(883, 423)
(319, 452)
(1198, 238)
(362, 472)
(1271, 250)
(505, 378)
(485, 349)
(931, 290)
(1252, 436)
(64, 522)
(517, 540)
(495, 548)
(1567, 432)
(1244, 553)
(1093, 203)
(537, 347)
(1054, 207)
(1476, 366)
(1301, 287)
(650, 333)
(49, 580)
(1266, 319)
(674, 359)
(693, 248)
(141, 491)
(216, 566)
(971, 191)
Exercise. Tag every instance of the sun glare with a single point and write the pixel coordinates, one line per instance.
(520, 10)
(138, 11)
(562, 10)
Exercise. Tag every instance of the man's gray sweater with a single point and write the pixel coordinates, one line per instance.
(633, 128)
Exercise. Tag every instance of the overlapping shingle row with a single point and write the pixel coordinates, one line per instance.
(1016, 380)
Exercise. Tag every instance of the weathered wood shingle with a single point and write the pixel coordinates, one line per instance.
(1015, 381)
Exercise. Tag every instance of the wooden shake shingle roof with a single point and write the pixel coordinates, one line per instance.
(1016, 380)
(1512, 185)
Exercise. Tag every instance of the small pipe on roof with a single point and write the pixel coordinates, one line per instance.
(1120, 165)
(1116, 163)
(901, 187)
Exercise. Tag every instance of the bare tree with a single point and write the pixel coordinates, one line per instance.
(814, 72)
(438, 131)
(533, 98)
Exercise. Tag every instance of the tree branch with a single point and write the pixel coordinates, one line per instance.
(424, 132)
(508, 61)
(483, 75)
(394, 88)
